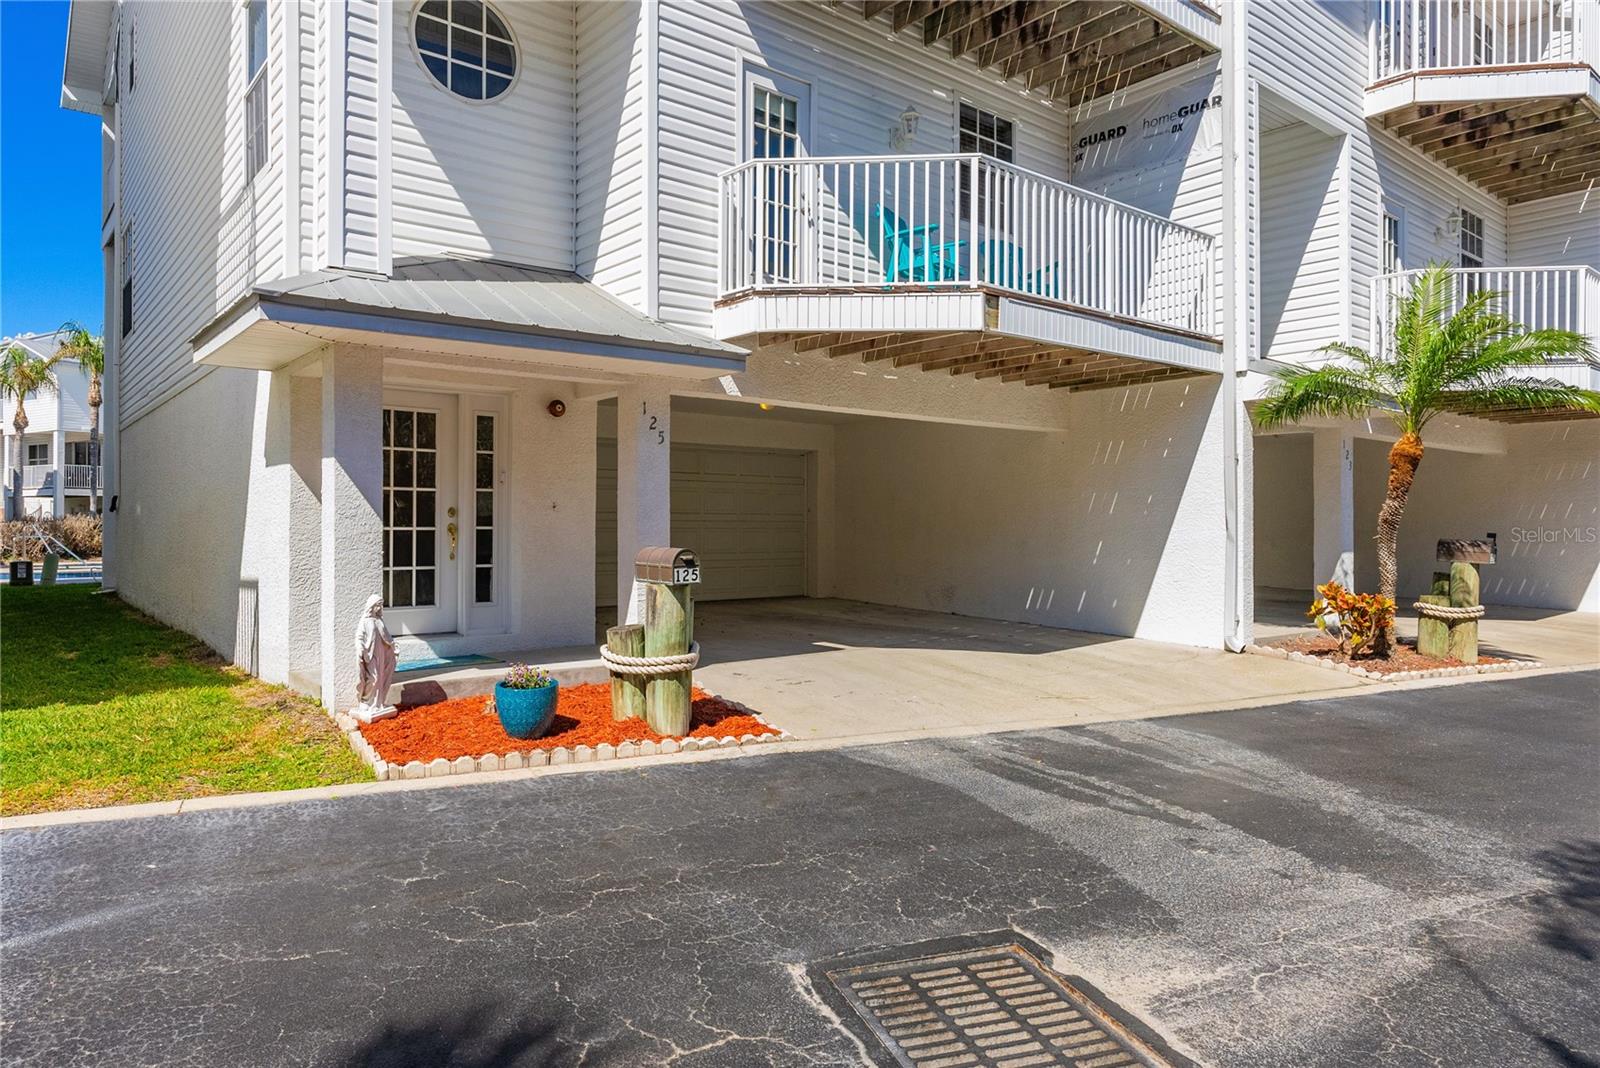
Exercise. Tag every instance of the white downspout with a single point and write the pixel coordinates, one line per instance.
(1236, 223)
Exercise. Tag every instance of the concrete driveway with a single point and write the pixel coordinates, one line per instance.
(1396, 878)
(832, 669)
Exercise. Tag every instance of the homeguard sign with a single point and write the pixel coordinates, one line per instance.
(1164, 129)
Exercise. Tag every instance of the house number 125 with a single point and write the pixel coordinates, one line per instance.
(661, 435)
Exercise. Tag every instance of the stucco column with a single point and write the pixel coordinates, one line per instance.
(1333, 507)
(644, 483)
(58, 453)
(352, 522)
(304, 615)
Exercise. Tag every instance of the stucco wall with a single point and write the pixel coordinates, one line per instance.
(1283, 511)
(1541, 496)
(195, 534)
(1113, 526)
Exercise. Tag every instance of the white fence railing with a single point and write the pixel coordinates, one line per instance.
(77, 475)
(957, 221)
(1561, 298)
(1409, 36)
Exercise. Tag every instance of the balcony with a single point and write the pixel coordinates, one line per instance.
(1562, 298)
(963, 262)
(1503, 91)
(34, 476)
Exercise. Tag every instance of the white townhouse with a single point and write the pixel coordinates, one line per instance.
(948, 305)
(53, 454)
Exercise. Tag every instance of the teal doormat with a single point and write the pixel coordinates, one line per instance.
(427, 663)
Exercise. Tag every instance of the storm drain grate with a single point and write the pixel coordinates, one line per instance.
(996, 1007)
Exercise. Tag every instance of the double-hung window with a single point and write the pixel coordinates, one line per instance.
(1471, 239)
(1393, 244)
(39, 454)
(987, 133)
(255, 94)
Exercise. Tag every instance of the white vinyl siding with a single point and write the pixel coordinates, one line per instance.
(488, 178)
(1556, 231)
(610, 150)
(355, 26)
(204, 233)
(860, 84)
(1302, 250)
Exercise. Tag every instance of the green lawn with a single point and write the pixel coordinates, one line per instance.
(100, 705)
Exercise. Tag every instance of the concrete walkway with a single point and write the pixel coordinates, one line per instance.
(846, 670)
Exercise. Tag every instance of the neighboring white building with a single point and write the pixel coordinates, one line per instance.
(56, 474)
(929, 304)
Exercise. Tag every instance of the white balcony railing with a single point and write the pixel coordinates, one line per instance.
(923, 223)
(1561, 298)
(77, 476)
(1412, 36)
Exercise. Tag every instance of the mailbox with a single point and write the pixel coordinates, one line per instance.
(1468, 550)
(659, 563)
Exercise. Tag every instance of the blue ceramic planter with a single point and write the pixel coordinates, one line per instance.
(526, 713)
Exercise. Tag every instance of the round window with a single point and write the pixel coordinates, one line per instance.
(466, 47)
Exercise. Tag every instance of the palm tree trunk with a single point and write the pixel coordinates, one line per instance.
(19, 423)
(1403, 460)
(94, 459)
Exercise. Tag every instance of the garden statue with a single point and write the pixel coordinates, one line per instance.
(375, 648)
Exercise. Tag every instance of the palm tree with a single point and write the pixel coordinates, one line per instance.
(1438, 361)
(89, 350)
(22, 374)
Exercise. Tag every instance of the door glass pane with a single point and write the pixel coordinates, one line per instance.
(411, 533)
(483, 511)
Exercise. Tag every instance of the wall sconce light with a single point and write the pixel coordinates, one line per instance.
(557, 408)
(1450, 226)
(904, 133)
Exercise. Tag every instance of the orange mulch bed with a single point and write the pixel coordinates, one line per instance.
(1404, 657)
(466, 727)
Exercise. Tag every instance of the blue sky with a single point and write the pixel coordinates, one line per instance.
(49, 180)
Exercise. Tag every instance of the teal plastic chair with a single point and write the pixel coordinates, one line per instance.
(910, 254)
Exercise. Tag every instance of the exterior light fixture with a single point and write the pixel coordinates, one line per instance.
(903, 133)
(557, 408)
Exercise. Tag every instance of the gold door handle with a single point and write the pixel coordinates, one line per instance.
(450, 528)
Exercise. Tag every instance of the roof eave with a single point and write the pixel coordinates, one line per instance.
(84, 59)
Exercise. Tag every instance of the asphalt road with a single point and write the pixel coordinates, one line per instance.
(1398, 879)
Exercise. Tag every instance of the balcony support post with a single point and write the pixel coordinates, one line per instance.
(58, 454)
(1333, 508)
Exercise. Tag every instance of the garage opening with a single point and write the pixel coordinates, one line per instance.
(745, 497)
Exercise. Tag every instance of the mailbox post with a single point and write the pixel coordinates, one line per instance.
(665, 670)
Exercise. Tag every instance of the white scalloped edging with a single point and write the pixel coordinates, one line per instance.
(1394, 676)
(581, 754)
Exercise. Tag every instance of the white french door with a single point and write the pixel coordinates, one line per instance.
(422, 524)
(778, 119)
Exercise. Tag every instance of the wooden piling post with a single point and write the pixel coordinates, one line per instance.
(627, 691)
(1464, 593)
(668, 631)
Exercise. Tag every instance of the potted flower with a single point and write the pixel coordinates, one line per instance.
(525, 701)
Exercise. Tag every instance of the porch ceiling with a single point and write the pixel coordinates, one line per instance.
(1522, 150)
(1524, 415)
(1071, 51)
(982, 354)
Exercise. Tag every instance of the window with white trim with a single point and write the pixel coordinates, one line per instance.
(255, 94)
(1393, 242)
(985, 132)
(483, 510)
(466, 46)
(38, 454)
(78, 453)
(1471, 239)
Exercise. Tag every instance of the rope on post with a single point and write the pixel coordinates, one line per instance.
(1449, 613)
(651, 666)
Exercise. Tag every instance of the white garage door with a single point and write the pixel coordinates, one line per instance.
(742, 510)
